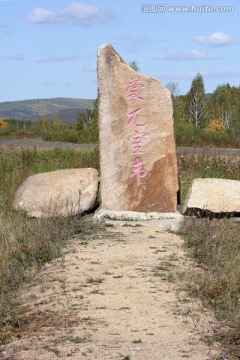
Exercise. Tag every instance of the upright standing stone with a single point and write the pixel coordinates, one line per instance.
(137, 148)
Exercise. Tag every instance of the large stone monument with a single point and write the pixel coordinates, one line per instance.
(137, 149)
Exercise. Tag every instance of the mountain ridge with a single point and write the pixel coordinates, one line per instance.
(31, 110)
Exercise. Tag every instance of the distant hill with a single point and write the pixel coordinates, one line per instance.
(31, 110)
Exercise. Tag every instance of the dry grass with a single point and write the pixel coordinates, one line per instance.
(26, 244)
(206, 166)
(17, 165)
(215, 245)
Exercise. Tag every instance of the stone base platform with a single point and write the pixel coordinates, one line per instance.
(163, 221)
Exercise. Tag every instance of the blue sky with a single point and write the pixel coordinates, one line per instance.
(49, 48)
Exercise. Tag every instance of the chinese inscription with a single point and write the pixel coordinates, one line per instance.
(134, 95)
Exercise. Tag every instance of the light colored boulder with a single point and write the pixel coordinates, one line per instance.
(137, 147)
(58, 193)
(215, 195)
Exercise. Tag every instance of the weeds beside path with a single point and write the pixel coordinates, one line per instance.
(115, 294)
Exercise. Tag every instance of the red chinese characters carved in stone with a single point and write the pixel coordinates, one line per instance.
(135, 139)
(134, 89)
(138, 170)
(134, 117)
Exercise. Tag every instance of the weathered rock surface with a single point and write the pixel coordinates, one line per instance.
(163, 221)
(58, 193)
(137, 148)
(214, 195)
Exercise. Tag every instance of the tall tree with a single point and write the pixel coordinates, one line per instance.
(179, 108)
(87, 123)
(222, 104)
(225, 106)
(197, 102)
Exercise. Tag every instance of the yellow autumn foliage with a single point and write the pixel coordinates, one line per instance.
(216, 126)
(3, 124)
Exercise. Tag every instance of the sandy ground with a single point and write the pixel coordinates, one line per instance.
(117, 293)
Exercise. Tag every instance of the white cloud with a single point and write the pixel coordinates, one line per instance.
(70, 84)
(5, 29)
(3, 26)
(175, 76)
(189, 55)
(161, 39)
(215, 39)
(132, 38)
(15, 57)
(50, 83)
(41, 16)
(75, 14)
(221, 74)
(90, 67)
(58, 59)
(131, 42)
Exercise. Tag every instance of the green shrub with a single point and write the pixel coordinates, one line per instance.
(189, 135)
(88, 134)
(71, 136)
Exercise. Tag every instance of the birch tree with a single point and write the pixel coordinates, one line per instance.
(223, 103)
(196, 102)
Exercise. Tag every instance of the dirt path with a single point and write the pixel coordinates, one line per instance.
(115, 294)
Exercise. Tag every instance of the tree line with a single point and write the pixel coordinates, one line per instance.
(216, 114)
(200, 119)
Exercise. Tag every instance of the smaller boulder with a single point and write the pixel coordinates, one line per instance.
(58, 193)
(219, 196)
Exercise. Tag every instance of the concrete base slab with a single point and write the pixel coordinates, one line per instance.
(165, 221)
